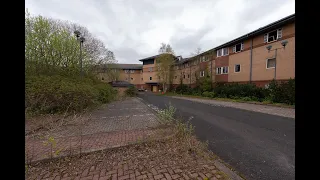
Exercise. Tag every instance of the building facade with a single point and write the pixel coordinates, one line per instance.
(258, 57)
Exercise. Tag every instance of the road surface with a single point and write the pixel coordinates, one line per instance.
(258, 145)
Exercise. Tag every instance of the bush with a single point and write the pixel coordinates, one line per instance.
(282, 92)
(58, 94)
(208, 94)
(131, 91)
(236, 91)
(183, 89)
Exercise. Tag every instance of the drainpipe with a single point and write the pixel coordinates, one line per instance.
(250, 79)
(190, 73)
(211, 70)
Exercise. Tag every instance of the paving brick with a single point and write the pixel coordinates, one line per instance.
(185, 176)
(170, 171)
(202, 175)
(162, 170)
(114, 177)
(103, 172)
(194, 175)
(87, 177)
(138, 173)
(177, 170)
(209, 175)
(168, 177)
(66, 178)
(141, 177)
(111, 172)
(104, 177)
(175, 176)
(57, 178)
(95, 177)
(218, 176)
(154, 171)
(123, 177)
(163, 179)
(213, 178)
(159, 176)
(85, 172)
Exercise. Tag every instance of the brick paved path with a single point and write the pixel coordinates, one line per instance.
(40, 149)
(116, 124)
(278, 111)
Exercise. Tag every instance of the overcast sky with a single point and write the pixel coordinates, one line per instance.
(134, 29)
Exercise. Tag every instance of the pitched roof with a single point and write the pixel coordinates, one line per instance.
(261, 30)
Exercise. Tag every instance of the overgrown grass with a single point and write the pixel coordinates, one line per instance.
(184, 131)
(58, 94)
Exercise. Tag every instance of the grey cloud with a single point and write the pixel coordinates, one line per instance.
(131, 28)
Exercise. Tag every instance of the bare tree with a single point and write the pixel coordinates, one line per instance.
(196, 52)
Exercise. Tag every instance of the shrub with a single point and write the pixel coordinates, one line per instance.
(131, 91)
(57, 94)
(183, 89)
(282, 92)
(205, 94)
(236, 91)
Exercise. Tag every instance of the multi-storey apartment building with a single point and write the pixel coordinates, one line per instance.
(257, 57)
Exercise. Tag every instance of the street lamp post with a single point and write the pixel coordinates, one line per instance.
(81, 40)
(283, 43)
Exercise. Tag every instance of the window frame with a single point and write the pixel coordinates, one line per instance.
(266, 35)
(235, 68)
(150, 69)
(132, 71)
(201, 73)
(126, 71)
(150, 78)
(221, 70)
(267, 63)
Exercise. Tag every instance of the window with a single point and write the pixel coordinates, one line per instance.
(222, 70)
(273, 35)
(150, 78)
(141, 78)
(237, 68)
(126, 71)
(150, 69)
(195, 62)
(177, 67)
(271, 63)
(187, 64)
(201, 73)
(184, 76)
(222, 52)
(238, 47)
(175, 77)
(219, 52)
(131, 71)
(188, 76)
(131, 78)
(102, 78)
(202, 59)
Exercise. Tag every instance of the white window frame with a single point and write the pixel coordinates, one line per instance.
(201, 73)
(131, 71)
(219, 51)
(150, 78)
(223, 50)
(221, 70)
(235, 68)
(234, 49)
(267, 63)
(279, 35)
(150, 69)
(126, 71)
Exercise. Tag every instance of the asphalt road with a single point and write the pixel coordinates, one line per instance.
(259, 146)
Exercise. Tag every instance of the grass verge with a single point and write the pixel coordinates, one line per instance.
(268, 103)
